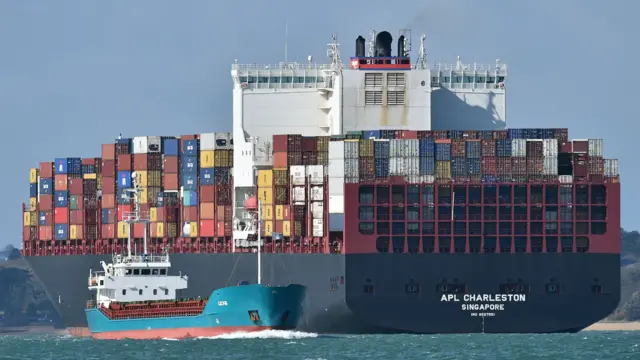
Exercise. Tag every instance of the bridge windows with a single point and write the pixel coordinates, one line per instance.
(515, 287)
(155, 292)
(383, 228)
(444, 287)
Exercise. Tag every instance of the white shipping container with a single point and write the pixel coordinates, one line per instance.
(336, 168)
(351, 180)
(565, 179)
(596, 147)
(317, 210)
(549, 165)
(207, 141)
(318, 228)
(299, 194)
(154, 144)
(396, 148)
(336, 150)
(611, 167)
(336, 186)
(223, 141)
(336, 204)
(316, 174)
(351, 149)
(411, 148)
(317, 193)
(518, 147)
(139, 145)
(297, 173)
(412, 165)
(397, 166)
(351, 169)
(550, 147)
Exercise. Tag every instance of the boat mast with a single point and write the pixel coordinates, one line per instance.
(259, 241)
(136, 215)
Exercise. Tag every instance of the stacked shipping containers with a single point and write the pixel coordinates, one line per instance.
(187, 182)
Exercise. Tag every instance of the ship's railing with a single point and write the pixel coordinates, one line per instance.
(467, 67)
(262, 86)
(282, 66)
(134, 216)
(120, 259)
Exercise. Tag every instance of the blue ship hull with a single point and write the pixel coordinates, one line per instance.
(228, 310)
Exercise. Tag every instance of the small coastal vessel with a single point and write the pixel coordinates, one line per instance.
(136, 298)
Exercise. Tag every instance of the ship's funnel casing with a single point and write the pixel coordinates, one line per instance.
(360, 46)
(401, 50)
(383, 44)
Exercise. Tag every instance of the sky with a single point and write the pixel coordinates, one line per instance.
(76, 73)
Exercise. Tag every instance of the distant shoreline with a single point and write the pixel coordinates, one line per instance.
(615, 326)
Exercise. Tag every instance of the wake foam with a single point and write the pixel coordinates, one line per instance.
(265, 334)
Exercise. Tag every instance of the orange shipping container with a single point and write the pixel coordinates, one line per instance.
(108, 151)
(207, 193)
(45, 232)
(61, 215)
(108, 185)
(108, 231)
(279, 226)
(61, 182)
(26, 233)
(170, 181)
(280, 160)
(108, 201)
(122, 209)
(157, 230)
(190, 213)
(170, 164)
(76, 217)
(219, 228)
(46, 202)
(283, 212)
(207, 211)
(140, 162)
(207, 228)
(138, 230)
(124, 162)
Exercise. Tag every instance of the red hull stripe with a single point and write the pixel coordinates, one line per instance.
(181, 333)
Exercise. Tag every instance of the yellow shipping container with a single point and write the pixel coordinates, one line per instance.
(207, 159)
(33, 203)
(73, 232)
(267, 212)
(89, 176)
(99, 181)
(265, 178)
(268, 227)
(265, 195)
(34, 218)
(33, 175)
(153, 214)
(286, 228)
(26, 218)
(141, 178)
(443, 170)
(123, 230)
(279, 212)
(194, 229)
(143, 195)
(154, 178)
(160, 229)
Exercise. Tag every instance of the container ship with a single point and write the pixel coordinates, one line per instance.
(392, 189)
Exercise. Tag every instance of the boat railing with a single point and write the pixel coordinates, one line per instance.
(91, 304)
(120, 259)
(282, 66)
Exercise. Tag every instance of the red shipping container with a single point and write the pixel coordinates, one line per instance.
(219, 228)
(519, 165)
(109, 151)
(190, 213)
(280, 160)
(207, 193)
(207, 228)
(138, 230)
(581, 146)
(140, 162)
(408, 134)
(489, 166)
(46, 202)
(124, 162)
(48, 217)
(108, 201)
(488, 148)
(45, 233)
(76, 217)
(171, 181)
(91, 217)
(108, 185)
(534, 165)
(46, 169)
(160, 214)
(89, 161)
(170, 164)
(61, 215)
(309, 144)
(108, 168)
(61, 182)
(280, 143)
(75, 186)
(108, 231)
(26, 233)
(458, 148)
(207, 211)
(294, 158)
(279, 226)
(504, 166)
(171, 215)
(566, 147)
(122, 209)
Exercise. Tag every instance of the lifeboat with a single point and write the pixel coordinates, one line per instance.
(251, 203)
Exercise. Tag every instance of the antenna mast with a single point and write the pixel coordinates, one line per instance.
(421, 64)
(372, 43)
(334, 54)
(135, 216)
(286, 40)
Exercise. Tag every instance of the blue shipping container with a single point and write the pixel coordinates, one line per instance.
(546, 133)
(46, 186)
(33, 190)
(456, 134)
(170, 147)
(61, 199)
(189, 164)
(459, 166)
(207, 176)
(490, 179)
(88, 169)
(160, 200)
(61, 232)
(123, 141)
(124, 196)
(473, 166)
(190, 147)
(189, 181)
(105, 216)
(74, 166)
(60, 165)
(43, 218)
(427, 147)
(427, 166)
(516, 134)
(503, 148)
(381, 149)
(124, 179)
(485, 134)
(371, 134)
(443, 151)
(381, 167)
(193, 198)
(473, 149)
